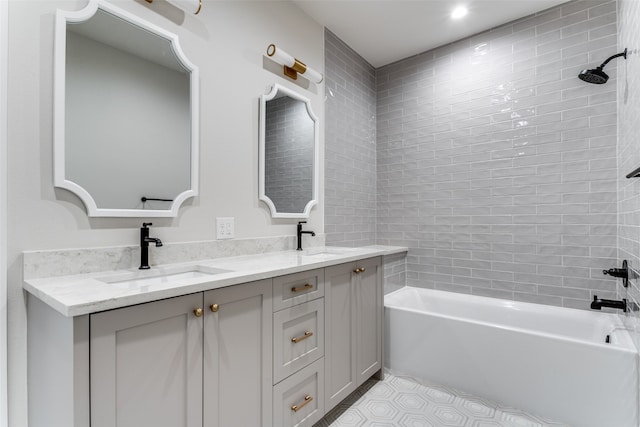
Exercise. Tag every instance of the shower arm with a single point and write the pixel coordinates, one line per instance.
(617, 55)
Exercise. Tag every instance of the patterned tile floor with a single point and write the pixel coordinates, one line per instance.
(402, 401)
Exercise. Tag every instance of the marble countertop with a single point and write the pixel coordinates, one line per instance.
(90, 293)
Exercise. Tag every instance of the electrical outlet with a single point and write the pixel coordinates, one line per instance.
(225, 228)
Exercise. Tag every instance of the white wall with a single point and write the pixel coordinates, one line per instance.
(227, 41)
(3, 204)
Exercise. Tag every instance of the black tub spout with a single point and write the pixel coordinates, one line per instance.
(598, 303)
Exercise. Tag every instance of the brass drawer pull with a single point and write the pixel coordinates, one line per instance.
(198, 312)
(306, 335)
(296, 408)
(359, 270)
(214, 307)
(301, 288)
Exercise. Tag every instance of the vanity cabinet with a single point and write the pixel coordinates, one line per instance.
(353, 327)
(238, 355)
(298, 338)
(298, 349)
(200, 360)
(298, 401)
(146, 364)
(276, 352)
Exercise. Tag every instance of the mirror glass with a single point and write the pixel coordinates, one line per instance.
(126, 142)
(288, 153)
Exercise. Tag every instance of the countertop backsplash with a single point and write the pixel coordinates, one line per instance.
(65, 262)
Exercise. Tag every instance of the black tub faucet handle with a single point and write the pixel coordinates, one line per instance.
(622, 273)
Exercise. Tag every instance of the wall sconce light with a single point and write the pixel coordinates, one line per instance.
(192, 6)
(292, 66)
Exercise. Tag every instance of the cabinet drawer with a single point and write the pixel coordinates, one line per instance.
(297, 288)
(298, 401)
(298, 338)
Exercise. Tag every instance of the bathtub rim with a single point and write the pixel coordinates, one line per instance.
(625, 342)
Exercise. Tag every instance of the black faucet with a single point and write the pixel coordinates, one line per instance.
(597, 303)
(300, 233)
(144, 245)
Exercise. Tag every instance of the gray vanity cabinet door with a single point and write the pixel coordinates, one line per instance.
(369, 312)
(146, 364)
(353, 327)
(238, 356)
(340, 333)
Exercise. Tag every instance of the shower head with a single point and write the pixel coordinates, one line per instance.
(596, 75)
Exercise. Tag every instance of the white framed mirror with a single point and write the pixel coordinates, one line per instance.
(289, 153)
(125, 114)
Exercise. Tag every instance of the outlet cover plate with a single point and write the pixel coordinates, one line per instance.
(225, 228)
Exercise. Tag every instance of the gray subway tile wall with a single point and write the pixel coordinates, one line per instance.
(350, 146)
(497, 166)
(395, 272)
(629, 155)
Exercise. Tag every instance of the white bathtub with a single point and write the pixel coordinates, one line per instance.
(548, 361)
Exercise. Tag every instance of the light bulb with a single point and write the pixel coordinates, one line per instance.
(459, 12)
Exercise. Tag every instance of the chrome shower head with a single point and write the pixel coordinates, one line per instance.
(596, 75)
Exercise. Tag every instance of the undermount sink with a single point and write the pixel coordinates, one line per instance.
(160, 276)
(326, 251)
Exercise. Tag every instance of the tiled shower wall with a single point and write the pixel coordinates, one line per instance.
(350, 149)
(629, 148)
(350, 155)
(497, 166)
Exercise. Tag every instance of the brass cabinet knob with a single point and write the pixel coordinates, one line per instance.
(362, 270)
(359, 270)
(198, 312)
(214, 307)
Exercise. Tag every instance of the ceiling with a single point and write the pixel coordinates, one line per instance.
(385, 31)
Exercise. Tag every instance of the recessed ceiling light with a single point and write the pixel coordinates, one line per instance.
(459, 12)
